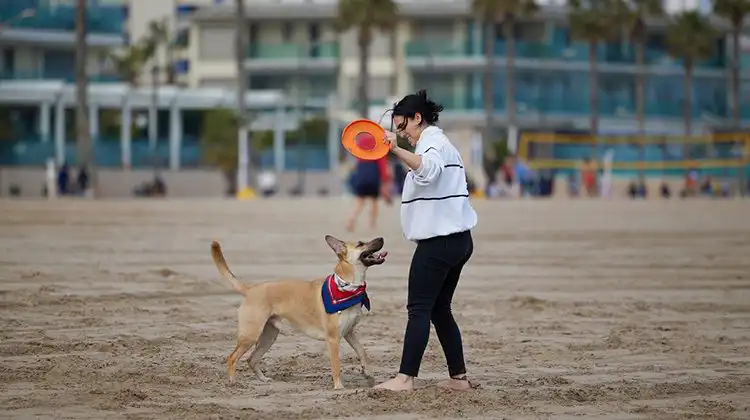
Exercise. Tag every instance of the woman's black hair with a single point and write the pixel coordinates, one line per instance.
(410, 105)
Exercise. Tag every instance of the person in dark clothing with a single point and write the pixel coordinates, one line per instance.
(83, 180)
(63, 180)
(366, 182)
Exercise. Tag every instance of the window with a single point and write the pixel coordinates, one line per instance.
(253, 33)
(287, 32)
(314, 30)
(9, 60)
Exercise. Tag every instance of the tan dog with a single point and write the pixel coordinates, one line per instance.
(301, 304)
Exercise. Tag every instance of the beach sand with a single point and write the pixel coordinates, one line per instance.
(607, 309)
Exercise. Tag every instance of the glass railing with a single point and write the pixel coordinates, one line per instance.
(101, 19)
(108, 154)
(293, 51)
(325, 50)
(567, 92)
(577, 51)
(437, 48)
(31, 151)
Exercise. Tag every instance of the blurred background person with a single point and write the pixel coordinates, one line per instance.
(367, 182)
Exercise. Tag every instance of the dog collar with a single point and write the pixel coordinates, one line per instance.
(339, 295)
(345, 286)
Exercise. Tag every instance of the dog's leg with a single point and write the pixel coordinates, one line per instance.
(266, 340)
(353, 341)
(243, 345)
(249, 328)
(334, 342)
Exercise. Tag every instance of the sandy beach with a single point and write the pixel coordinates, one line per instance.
(623, 310)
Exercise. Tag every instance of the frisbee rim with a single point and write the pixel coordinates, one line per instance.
(350, 133)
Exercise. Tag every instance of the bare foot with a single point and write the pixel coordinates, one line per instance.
(399, 383)
(462, 384)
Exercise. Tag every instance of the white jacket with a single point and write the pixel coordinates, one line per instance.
(435, 199)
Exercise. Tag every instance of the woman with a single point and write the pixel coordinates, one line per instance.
(437, 215)
(369, 180)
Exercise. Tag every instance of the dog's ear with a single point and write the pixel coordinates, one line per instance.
(338, 246)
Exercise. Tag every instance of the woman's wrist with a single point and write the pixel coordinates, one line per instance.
(412, 160)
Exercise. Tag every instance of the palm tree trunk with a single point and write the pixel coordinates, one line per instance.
(488, 90)
(363, 96)
(84, 145)
(171, 75)
(688, 109)
(594, 93)
(640, 98)
(244, 171)
(736, 75)
(510, 54)
(153, 113)
(488, 81)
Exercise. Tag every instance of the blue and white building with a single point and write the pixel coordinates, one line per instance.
(294, 49)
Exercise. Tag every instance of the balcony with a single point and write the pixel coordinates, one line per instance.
(451, 55)
(543, 93)
(68, 76)
(29, 21)
(293, 57)
(101, 19)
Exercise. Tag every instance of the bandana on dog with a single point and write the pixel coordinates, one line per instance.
(338, 295)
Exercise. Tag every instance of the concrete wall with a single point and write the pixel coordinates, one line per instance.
(186, 183)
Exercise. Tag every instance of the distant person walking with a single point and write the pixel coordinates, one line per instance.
(367, 182)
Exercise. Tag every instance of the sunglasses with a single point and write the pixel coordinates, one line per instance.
(399, 128)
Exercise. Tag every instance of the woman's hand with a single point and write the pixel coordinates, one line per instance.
(391, 139)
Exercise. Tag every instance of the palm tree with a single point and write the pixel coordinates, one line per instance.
(365, 16)
(159, 36)
(634, 14)
(509, 11)
(129, 62)
(735, 12)
(84, 146)
(690, 37)
(593, 22)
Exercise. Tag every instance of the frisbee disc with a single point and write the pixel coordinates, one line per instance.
(364, 139)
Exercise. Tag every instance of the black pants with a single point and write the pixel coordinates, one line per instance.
(433, 277)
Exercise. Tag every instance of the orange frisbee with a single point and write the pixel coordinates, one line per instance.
(364, 139)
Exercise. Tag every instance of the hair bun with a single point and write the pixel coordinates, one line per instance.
(433, 109)
(418, 103)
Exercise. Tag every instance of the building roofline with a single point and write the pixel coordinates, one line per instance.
(453, 9)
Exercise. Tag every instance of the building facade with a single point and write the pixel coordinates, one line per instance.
(438, 45)
(37, 38)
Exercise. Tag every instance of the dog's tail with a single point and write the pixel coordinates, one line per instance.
(221, 264)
